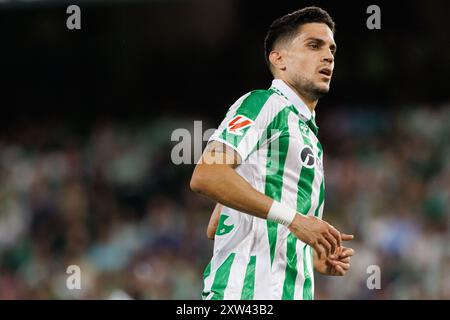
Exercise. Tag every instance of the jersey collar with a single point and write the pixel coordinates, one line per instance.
(282, 88)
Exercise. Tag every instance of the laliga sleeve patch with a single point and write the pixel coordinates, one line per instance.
(238, 124)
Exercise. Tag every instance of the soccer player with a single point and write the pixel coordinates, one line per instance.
(263, 166)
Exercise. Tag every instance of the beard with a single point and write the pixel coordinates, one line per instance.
(310, 90)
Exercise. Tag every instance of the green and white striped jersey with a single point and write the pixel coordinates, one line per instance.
(275, 135)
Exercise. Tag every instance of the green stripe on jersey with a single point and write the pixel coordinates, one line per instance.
(207, 271)
(206, 274)
(291, 268)
(307, 285)
(248, 289)
(221, 279)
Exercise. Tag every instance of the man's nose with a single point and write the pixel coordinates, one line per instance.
(328, 57)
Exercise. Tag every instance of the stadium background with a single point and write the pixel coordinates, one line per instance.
(85, 169)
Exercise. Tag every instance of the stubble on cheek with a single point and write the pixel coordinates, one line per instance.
(308, 88)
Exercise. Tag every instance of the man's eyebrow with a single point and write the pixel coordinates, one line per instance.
(321, 42)
(314, 39)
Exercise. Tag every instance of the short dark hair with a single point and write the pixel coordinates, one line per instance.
(287, 26)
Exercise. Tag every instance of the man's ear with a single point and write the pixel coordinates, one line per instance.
(277, 60)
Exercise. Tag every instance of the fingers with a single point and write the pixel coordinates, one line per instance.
(340, 264)
(336, 234)
(333, 258)
(336, 269)
(347, 237)
(346, 252)
(332, 241)
(339, 267)
(339, 271)
(326, 245)
(319, 249)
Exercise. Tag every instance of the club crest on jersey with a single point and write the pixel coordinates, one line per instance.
(238, 124)
(307, 157)
(304, 129)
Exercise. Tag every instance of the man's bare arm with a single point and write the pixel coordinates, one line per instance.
(215, 177)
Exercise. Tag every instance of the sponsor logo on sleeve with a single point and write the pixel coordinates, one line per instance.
(238, 124)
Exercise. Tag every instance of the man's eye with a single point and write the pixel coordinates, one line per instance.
(314, 46)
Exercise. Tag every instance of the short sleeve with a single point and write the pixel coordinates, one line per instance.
(246, 122)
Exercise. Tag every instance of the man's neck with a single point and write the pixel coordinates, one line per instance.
(311, 104)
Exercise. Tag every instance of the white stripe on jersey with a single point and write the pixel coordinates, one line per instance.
(317, 178)
(300, 280)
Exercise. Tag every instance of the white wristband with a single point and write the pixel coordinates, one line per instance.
(281, 213)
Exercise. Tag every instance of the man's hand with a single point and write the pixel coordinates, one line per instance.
(337, 264)
(320, 235)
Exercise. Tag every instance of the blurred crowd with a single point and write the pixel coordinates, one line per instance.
(107, 198)
(388, 182)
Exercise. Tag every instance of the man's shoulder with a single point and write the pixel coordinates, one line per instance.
(260, 100)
